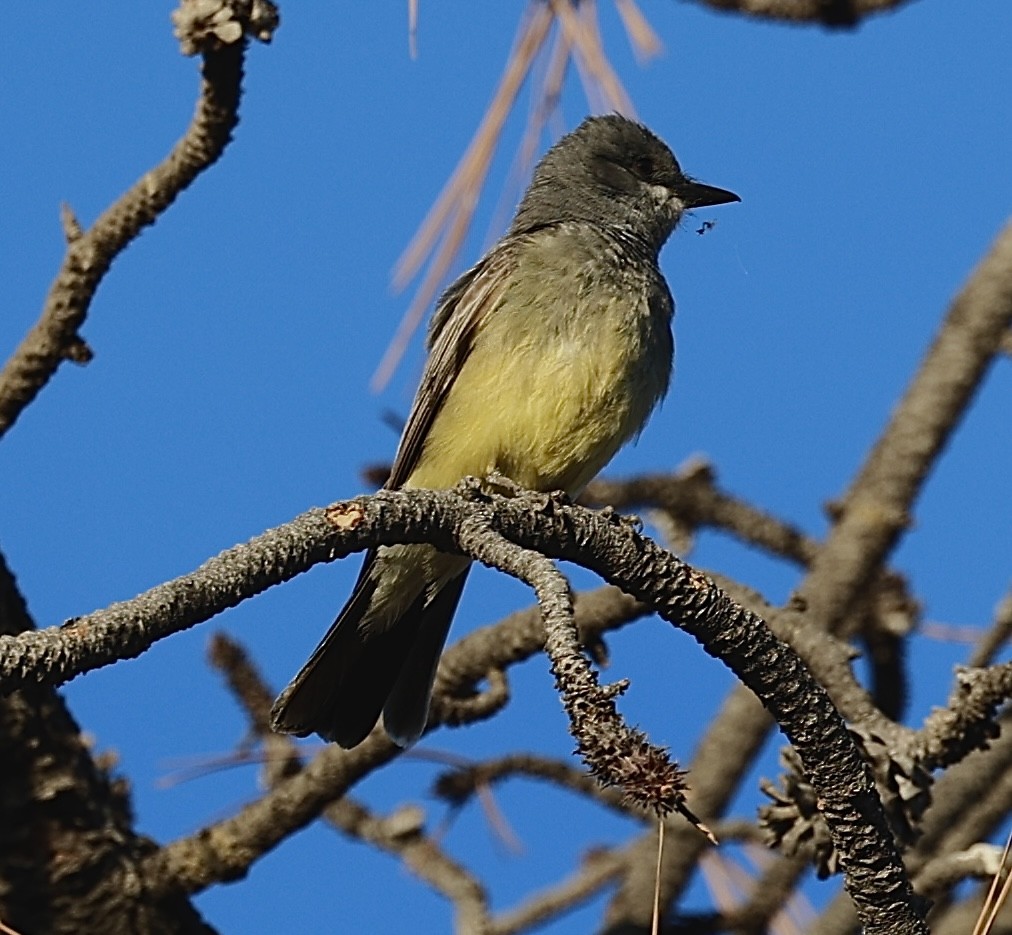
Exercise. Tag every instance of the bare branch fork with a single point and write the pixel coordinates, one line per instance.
(505, 531)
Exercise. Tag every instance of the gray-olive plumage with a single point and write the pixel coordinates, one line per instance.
(544, 359)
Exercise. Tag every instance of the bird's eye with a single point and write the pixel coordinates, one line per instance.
(614, 175)
(643, 166)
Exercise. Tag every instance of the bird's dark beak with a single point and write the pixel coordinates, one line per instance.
(697, 195)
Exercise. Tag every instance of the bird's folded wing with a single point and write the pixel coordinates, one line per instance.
(456, 321)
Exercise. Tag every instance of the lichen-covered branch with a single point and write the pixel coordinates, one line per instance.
(600, 541)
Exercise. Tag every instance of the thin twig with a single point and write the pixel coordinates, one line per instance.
(580, 25)
(656, 924)
(645, 42)
(450, 216)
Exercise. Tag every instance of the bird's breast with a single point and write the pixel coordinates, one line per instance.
(565, 371)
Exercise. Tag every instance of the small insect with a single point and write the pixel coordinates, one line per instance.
(707, 226)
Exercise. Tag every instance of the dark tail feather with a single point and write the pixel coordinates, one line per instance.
(340, 692)
(407, 708)
(342, 688)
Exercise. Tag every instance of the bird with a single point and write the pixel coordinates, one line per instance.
(544, 358)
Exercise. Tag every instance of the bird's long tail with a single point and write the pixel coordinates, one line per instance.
(356, 673)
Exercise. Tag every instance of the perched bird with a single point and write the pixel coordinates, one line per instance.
(544, 359)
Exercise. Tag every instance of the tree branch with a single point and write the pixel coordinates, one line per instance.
(877, 507)
(602, 542)
(55, 337)
(401, 833)
(832, 13)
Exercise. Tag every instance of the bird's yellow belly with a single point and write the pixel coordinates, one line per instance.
(548, 418)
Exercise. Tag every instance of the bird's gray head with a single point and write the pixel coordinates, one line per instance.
(613, 172)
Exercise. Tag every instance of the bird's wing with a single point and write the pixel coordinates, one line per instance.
(461, 311)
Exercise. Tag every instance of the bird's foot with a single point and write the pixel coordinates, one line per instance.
(622, 519)
(498, 483)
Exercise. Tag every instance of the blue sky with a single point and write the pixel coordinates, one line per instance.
(235, 341)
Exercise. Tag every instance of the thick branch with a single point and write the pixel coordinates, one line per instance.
(68, 849)
(877, 507)
(603, 543)
(832, 13)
